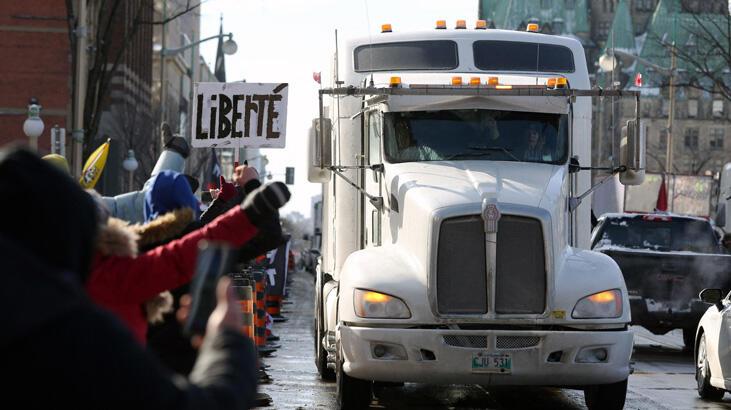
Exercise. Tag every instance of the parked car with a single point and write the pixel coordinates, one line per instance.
(666, 260)
(713, 346)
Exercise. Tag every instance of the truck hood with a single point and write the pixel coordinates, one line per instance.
(439, 184)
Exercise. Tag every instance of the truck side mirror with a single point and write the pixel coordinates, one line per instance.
(320, 151)
(712, 296)
(632, 154)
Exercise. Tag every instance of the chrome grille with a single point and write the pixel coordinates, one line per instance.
(520, 280)
(475, 342)
(516, 342)
(461, 275)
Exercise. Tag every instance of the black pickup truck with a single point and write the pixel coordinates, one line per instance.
(666, 261)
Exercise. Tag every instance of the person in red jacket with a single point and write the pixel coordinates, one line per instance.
(122, 282)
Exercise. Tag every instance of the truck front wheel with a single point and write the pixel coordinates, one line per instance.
(606, 396)
(352, 393)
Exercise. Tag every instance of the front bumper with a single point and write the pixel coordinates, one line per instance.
(448, 364)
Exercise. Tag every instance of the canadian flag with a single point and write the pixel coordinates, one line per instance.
(316, 77)
(638, 80)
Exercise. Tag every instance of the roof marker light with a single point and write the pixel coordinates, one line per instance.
(385, 28)
(461, 25)
(456, 80)
(395, 82)
(562, 82)
(532, 27)
(481, 25)
(441, 24)
(503, 87)
(492, 81)
(551, 83)
(475, 81)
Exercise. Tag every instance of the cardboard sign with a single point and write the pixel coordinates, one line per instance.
(238, 115)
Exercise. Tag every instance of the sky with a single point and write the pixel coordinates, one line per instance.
(287, 40)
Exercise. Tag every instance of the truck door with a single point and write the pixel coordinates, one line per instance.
(372, 216)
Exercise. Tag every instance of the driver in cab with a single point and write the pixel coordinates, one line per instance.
(409, 148)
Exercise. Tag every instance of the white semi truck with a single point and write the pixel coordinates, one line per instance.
(454, 167)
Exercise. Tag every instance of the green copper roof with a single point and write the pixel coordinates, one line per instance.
(621, 36)
(571, 15)
(669, 25)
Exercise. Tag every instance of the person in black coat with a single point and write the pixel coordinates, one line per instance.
(58, 348)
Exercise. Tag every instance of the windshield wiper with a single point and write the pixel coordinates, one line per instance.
(488, 149)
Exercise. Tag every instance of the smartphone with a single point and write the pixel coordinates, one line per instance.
(215, 259)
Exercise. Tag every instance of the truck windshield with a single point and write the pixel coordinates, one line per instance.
(670, 235)
(491, 135)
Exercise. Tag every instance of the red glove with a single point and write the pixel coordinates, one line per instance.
(228, 191)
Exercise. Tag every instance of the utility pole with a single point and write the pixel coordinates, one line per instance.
(81, 75)
(671, 113)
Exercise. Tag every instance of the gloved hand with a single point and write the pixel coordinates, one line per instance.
(264, 202)
(228, 190)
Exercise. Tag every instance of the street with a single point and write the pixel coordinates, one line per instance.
(662, 379)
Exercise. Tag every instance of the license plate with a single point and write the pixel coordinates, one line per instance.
(492, 363)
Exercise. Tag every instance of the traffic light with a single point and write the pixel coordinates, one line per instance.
(289, 176)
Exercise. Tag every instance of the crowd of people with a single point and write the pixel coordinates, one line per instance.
(96, 287)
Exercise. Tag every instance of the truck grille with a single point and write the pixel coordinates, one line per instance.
(471, 341)
(516, 342)
(461, 276)
(520, 282)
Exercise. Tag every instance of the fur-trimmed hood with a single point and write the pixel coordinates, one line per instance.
(163, 228)
(119, 238)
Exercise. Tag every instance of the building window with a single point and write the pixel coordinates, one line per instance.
(662, 140)
(717, 108)
(716, 138)
(692, 108)
(691, 138)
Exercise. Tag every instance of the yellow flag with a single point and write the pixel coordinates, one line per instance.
(94, 166)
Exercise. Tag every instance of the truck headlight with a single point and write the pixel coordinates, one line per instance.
(602, 305)
(375, 305)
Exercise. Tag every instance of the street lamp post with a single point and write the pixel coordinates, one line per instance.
(130, 165)
(229, 47)
(33, 125)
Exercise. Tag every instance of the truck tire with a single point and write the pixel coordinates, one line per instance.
(325, 373)
(703, 374)
(352, 393)
(606, 396)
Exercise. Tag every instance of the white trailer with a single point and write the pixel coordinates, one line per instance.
(454, 250)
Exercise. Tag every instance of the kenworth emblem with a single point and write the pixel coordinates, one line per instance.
(491, 215)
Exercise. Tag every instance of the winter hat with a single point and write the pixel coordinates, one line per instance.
(59, 162)
(169, 190)
(46, 212)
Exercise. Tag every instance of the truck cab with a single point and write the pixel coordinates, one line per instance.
(456, 222)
